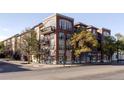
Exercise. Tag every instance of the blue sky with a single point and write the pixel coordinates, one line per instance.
(13, 23)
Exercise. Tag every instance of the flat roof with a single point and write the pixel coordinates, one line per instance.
(37, 25)
(91, 26)
(80, 23)
(106, 29)
(11, 37)
(57, 14)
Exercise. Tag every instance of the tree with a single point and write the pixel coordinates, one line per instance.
(118, 36)
(119, 44)
(83, 41)
(108, 47)
(44, 49)
(1, 47)
(29, 44)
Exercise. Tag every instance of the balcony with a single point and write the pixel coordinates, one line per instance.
(47, 30)
(99, 36)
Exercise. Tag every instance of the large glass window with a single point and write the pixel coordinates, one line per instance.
(61, 47)
(61, 36)
(61, 41)
(68, 36)
(65, 24)
(105, 33)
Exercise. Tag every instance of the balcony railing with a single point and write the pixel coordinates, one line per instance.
(48, 30)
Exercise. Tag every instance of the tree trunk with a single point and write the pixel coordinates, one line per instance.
(38, 58)
(29, 59)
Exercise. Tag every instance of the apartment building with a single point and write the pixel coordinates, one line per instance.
(95, 55)
(10, 45)
(104, 32)
(54, 34)
(87, 57)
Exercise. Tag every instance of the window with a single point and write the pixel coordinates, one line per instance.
(52, 36)
(68, 36)
(61, 36)
(65, 24)
(68, 47)
(52, 41)
(94, 31)
(61, 41)
(105, 33)
(52, 44)
(61, 44)
(61, 47)
(52, 47)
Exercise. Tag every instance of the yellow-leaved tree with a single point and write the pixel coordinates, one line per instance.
(83, 41)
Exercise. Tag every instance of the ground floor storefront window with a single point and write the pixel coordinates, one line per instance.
(88, 58)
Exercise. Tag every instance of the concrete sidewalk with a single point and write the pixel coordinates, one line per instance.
(33, 66)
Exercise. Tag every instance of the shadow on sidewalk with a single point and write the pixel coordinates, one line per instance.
(9, 67)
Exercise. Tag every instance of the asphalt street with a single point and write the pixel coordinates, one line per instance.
(9, 71)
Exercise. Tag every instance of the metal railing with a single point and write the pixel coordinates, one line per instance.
(48, 29)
